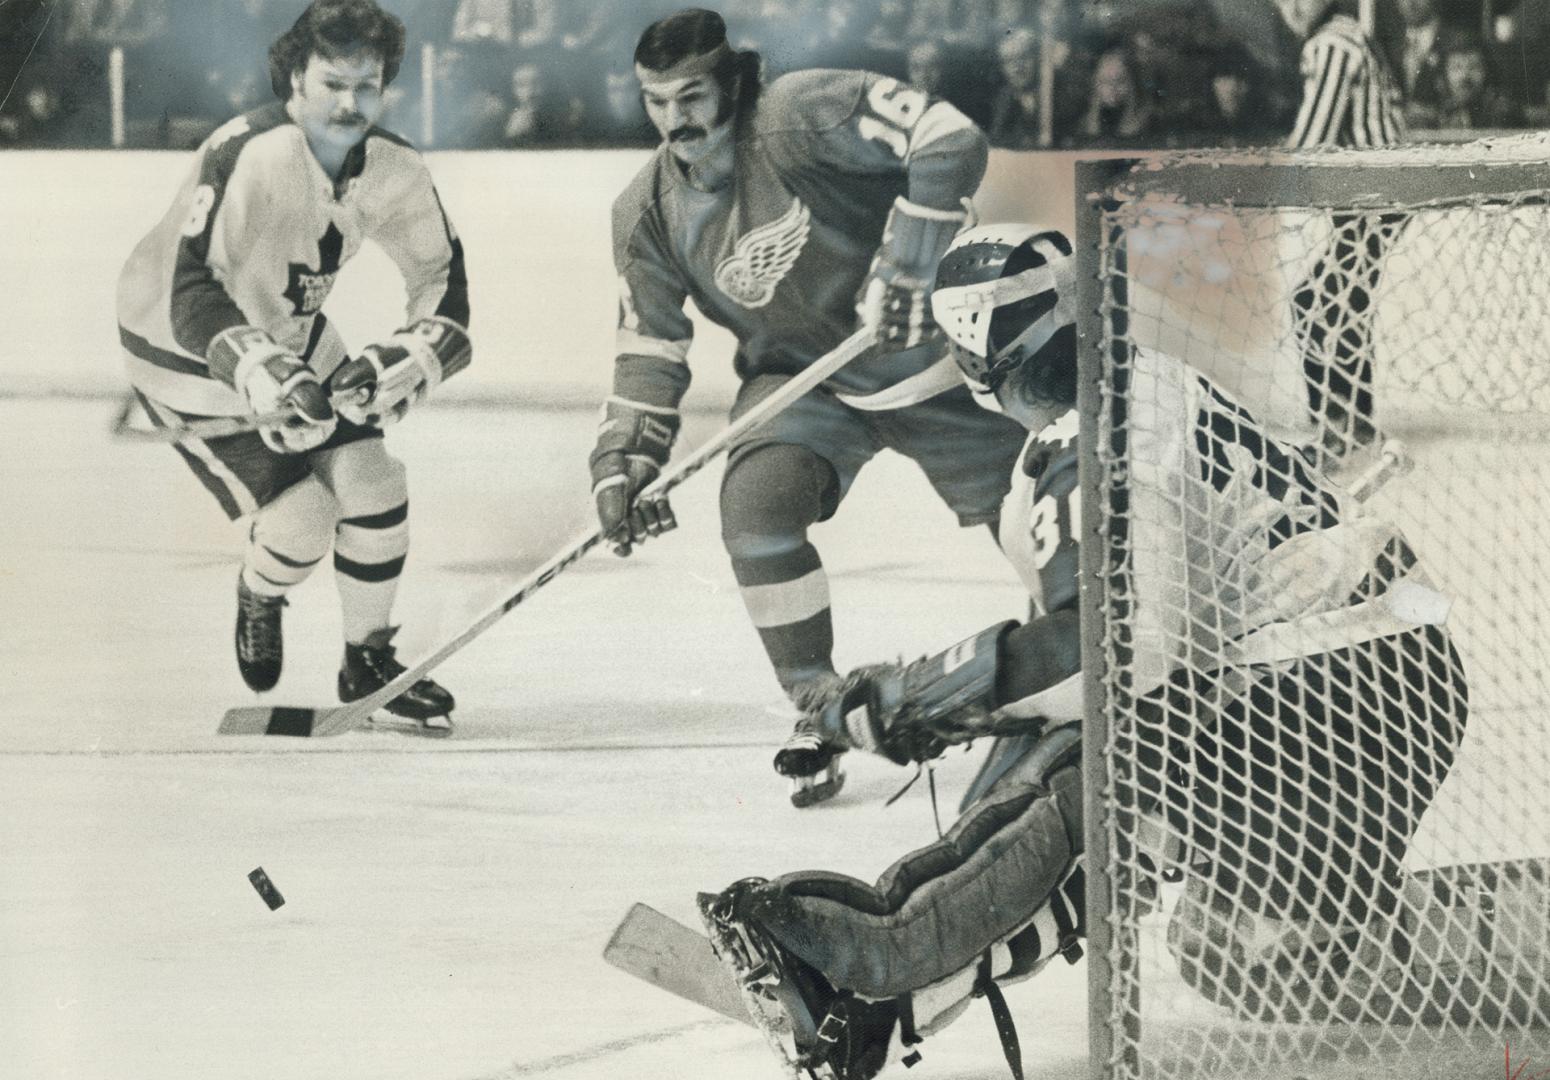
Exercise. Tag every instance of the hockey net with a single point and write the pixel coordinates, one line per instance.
(1256, 905)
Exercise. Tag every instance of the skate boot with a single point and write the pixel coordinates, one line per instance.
(372, 664)
(812, 764)
(260, 642)
(832, 1034)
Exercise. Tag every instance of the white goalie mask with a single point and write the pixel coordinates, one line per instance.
(1003, 296)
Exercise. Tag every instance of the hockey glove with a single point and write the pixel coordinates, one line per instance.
(273, 378)
(895, 299)
(913, 712)
(633, 442)
(380, 385)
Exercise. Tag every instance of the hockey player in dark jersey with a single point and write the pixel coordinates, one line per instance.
(220, 314)
(783, 211)
(1297, 586)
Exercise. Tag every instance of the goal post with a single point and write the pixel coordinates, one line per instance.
(1348, 300)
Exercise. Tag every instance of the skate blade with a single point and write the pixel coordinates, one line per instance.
(820, 787)
(433, 727)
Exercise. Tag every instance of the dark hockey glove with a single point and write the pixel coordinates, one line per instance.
(895, 299)
(380, 385)
(913, 712)
(633, 443)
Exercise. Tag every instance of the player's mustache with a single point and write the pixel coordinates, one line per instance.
(353, 118)
(688, 131)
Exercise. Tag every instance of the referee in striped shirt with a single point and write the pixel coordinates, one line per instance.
(1351, 97)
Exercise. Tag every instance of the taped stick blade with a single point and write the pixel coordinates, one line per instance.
(270, 720)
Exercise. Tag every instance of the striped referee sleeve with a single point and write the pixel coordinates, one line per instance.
(1349, 97)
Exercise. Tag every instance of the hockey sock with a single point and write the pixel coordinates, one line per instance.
(289, 536)
(768, 500)
(369, 553)
(787, 597)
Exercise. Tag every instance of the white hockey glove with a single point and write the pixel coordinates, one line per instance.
(272, 379)
(895, 299)
(380, 385)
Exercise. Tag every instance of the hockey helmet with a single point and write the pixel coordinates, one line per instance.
(1004, 296)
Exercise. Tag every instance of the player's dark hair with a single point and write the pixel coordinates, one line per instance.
(335, 28)
(694, 32)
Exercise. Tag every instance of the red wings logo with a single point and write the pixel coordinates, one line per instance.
(764, 257)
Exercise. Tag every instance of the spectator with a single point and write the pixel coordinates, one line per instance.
(1420, 64)
(1117, 114)
(615, 117)
(1016, 122)
(843, 42)
(540, 113)
(934, 68)
(889, 32)
(525, 24)
(963, 23)
(1466, 99)
(33, 116)
(1235, 113)
(1014, 112)
(469, 114)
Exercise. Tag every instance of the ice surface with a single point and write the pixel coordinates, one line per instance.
(447, 902)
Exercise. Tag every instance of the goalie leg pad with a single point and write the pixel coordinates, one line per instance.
(938, 909)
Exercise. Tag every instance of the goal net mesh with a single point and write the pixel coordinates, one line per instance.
(1319, 840)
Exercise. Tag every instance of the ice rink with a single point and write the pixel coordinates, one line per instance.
(447, 902)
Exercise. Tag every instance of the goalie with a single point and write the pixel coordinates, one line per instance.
(1300, 703)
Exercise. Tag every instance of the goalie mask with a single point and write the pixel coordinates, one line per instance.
(1004, 295)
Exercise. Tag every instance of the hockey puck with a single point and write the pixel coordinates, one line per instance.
(265, 888)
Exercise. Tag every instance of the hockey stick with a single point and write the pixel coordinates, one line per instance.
(665, 953)
(215, 427)
(286, 720)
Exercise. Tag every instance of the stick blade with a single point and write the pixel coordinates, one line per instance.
(666, 953)
(270, 720)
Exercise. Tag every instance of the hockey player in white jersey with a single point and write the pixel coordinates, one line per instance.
(220, 314)
(1291, 584)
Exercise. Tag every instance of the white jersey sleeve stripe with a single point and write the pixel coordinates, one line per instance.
(939, 122)
(631, 343)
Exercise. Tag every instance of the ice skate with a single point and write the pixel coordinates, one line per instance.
(260, 641)
(811, 763)
(372, 664)
(815, 1029)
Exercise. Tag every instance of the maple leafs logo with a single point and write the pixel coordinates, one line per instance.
(763, 257)
(309, 286)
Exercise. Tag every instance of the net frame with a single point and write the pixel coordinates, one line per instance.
(1411, 178)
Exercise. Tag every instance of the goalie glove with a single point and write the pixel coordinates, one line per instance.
(913, 712)
(895, 299)
(272, 379)
(380, 385)
(633, 443)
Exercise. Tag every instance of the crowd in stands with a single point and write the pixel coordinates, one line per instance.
(554, 73)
